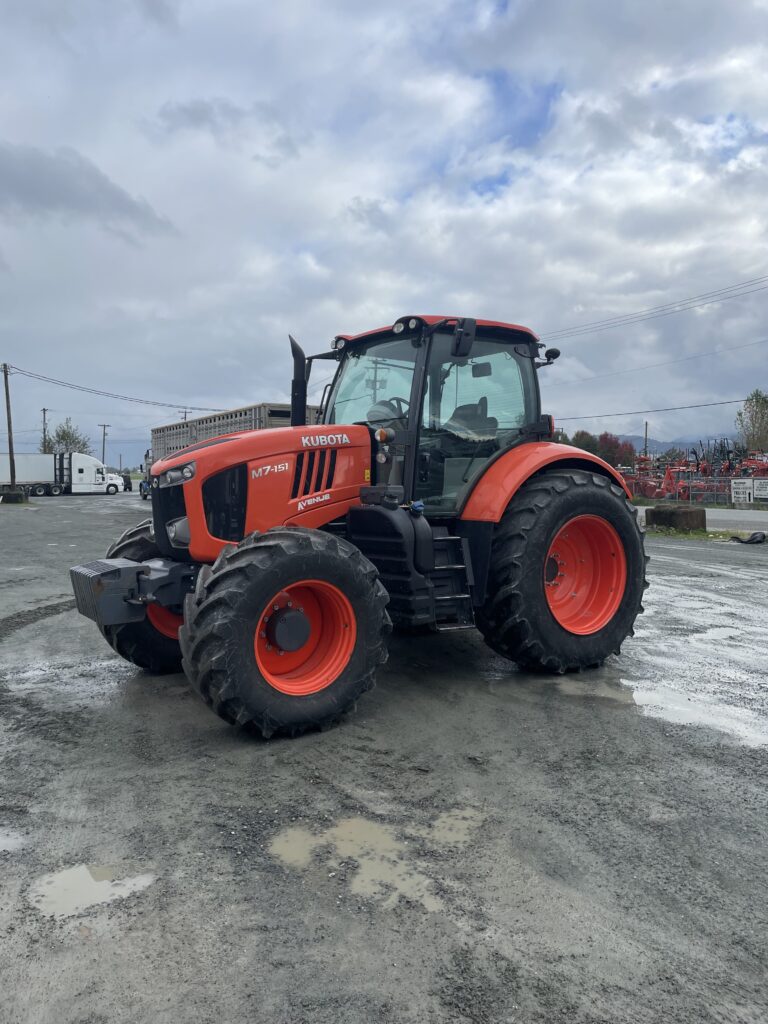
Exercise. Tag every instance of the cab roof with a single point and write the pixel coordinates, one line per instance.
(431, 320)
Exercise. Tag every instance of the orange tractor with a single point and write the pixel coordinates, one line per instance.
(429, 495)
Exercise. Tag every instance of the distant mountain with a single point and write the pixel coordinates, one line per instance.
(656, 447)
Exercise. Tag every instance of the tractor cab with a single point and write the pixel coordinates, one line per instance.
(449, 395)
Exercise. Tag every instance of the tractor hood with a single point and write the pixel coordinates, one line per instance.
(302, 476)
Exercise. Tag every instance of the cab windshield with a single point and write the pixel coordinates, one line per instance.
(374, 384)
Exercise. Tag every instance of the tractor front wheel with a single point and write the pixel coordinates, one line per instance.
(153, 643)
(567, 573)
(285, 631)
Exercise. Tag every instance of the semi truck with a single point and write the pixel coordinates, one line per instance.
(63, 473)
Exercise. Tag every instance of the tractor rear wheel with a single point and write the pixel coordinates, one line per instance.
(567, 573)
(285, 631)
(153, 643)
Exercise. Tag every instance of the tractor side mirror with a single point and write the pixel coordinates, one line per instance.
(464, 337)
(550, 356)
(481, 369)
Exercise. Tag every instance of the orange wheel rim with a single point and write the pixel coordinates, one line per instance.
(585, 575)
(165, 621)
(324, 635)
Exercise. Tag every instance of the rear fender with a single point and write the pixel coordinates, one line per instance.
(495, 488)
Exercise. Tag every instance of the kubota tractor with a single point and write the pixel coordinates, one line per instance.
(429, 495)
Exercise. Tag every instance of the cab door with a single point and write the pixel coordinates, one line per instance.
(474, 407)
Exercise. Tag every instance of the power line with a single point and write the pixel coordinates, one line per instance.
(109, 394)
(653, 366)
(733, 291)
(638, 412)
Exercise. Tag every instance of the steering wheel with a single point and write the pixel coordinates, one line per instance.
(388, 410)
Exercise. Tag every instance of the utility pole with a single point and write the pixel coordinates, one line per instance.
(104, 440)
(645, 449)
(121, 461)
(45, 428)
(11, 457)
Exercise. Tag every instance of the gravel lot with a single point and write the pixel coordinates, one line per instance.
(473, 845)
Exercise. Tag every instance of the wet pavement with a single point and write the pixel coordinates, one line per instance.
(474, 844)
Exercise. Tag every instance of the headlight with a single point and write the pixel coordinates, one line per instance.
(175, 476)
(178, 532)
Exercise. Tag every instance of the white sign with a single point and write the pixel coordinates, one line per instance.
(741, 492)
(760, 488)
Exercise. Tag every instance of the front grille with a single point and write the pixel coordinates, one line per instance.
(314, 472)
(224, 500)
(167, 504)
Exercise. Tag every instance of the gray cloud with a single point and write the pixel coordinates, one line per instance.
(548, 164)
(257, 126)
(66, 184)
(164, 12)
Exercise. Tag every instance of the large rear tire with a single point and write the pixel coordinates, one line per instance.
(567, 573)
(153, 643)
(285, 631)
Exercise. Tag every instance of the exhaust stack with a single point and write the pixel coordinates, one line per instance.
(298, 385)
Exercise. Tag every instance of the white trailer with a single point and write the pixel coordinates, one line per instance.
(65, 473)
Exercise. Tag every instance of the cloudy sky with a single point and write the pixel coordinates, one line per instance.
(182, 182)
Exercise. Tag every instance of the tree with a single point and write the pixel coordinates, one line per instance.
(752, 421)
(626, 454)
(608, 448)
(66, 437)
(583, 439)
(614, 451)
(675, 455)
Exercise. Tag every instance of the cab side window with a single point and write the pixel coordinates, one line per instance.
(474, 407)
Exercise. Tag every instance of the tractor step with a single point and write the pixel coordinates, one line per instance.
(425, 570)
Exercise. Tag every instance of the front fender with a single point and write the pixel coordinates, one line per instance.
(505, 475)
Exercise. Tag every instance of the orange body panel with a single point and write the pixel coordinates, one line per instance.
(504, 477)
(271, 458)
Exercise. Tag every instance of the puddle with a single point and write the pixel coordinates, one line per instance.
(675, 706)
(599, 688)
(383, 871)
(10, 840)
(73, 890)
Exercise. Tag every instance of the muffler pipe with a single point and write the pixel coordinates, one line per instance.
(298, 385)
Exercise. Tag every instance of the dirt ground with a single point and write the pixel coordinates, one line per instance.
(473, 845)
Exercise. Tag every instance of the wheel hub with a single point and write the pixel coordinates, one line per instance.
(288, 629)
(305, 637)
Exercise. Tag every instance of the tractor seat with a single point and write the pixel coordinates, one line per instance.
(472, 422)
